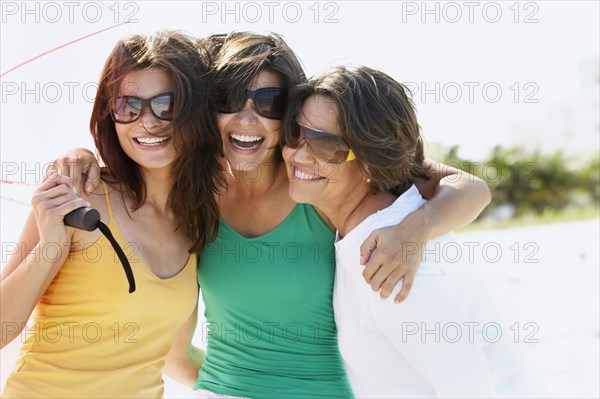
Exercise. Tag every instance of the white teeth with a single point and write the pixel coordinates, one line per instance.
(246, 139)
(151, 140)
(303, 176)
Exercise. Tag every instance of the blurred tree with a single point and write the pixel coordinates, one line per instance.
(531, 182)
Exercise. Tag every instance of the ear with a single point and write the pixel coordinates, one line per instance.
(365, 172)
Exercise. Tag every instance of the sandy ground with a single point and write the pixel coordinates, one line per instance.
(546, 279)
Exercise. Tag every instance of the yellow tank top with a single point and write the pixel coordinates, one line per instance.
(89, 337)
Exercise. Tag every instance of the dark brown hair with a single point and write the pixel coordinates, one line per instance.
(237, 57)
(196, 172)
(376, 118)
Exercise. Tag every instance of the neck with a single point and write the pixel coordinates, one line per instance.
(256, 182)
(158, 188)
(354, 207)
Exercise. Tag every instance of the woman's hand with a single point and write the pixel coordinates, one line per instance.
(51, 202)
(394, 253)
(455, 199)
(81, 167)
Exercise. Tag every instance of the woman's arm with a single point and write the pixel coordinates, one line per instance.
(184, 360)
(42, 249)
(455, 199)
(465, 195)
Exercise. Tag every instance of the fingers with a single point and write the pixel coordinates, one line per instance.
(74, 167)
(53, 180)
(75, 175)
(90, 168)
(50, 217)
(69, 206)
(55, 191)
(91, 176)
(55, 210)
(407, 284)
(368, 246)
(383, 273)
(371, 268)
(54, 197)
(390, 283)
(386, 279)
(51, 169)
(57, 168)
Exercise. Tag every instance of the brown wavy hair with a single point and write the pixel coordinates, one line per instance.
(196, 172)
(377, 119)
(237, 57)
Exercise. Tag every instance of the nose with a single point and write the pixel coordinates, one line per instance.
(248, 114)
(298, 155)
(147, 120)
(301, 154)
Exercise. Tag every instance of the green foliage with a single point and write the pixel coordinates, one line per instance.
(528, 182)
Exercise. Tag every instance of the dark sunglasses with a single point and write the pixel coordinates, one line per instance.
(128, 109)
(269, 102)
(325, 146)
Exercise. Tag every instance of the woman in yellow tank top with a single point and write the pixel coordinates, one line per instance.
(88, 336)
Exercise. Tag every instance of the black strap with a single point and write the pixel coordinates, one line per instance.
(124, 261)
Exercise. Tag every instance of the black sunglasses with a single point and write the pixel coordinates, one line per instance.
(128, 109)
(269, 102)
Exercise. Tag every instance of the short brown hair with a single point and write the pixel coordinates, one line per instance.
(376, 118)
(196, 171)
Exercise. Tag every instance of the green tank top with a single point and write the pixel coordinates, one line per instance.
(268, 304)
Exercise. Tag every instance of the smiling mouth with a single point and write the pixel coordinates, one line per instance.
(299, 175)
(245, 142)
(151, 141)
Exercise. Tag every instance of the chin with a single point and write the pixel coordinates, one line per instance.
(300, 196)
(239, 165)
(157, 164)
(249, 162)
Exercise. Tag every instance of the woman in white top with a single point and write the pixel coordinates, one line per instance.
(351, 138)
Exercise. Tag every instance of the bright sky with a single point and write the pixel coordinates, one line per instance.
(470, 59)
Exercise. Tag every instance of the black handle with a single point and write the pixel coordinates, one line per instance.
(89, 219)
(83, 218)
